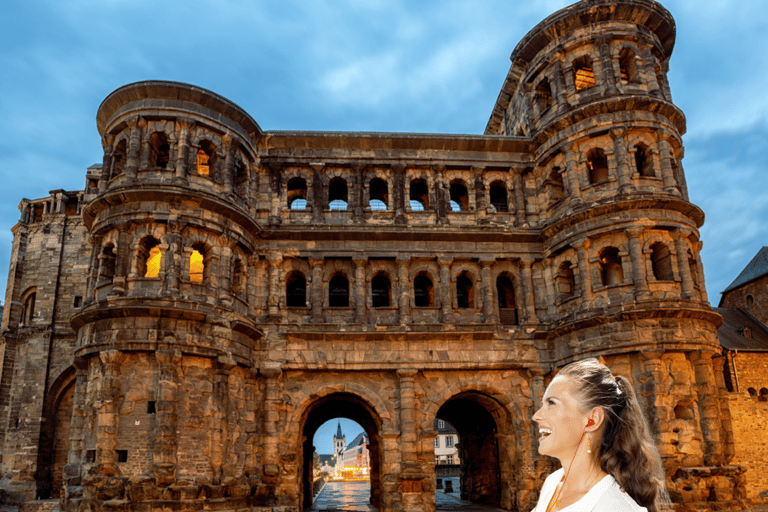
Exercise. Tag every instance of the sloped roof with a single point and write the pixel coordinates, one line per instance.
(755, 269)
(360, 439)
(447, 427)
(731, 333)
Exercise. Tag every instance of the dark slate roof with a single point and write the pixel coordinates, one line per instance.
(359, 440)
(755, 269)
(731, 332)
(447, 429)
(339, 435)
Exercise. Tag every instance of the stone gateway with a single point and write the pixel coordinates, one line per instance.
(175, 333)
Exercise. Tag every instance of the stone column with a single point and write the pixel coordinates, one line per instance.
(107, 414)
(552, 294)
(144, 155)
(399, 194)
(317, 290)
(404, 284)
(358, 200)
(229, 146)
(446, 295)
(667, 175)
(134, 146)
(72, 471)
(164, 442)
(183, 126)
(173, 259)
(638, 263)
(585, 275)
(121, 263)
(271, 373)
(649, 392)
(561, 89)
(572, 174)
(442, 198)
(318, 199)
(681, 250)
(520, 220)
(275, 260)
(360, 288)
(93, 268)
(225, 275)
(481, 203)
(531, 204)
(253, 289)
(648, 69)
(709, 410)
(411, 473)
(606, 62)
(620, 151)
(489, 312)
(219, 427)
(530, 299)
(106, 162)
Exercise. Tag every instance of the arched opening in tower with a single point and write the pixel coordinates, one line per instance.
(53, 448)
(353, 458)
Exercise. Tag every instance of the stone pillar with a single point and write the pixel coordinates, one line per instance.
(561, 89)
(585, 276)
(183, 127)
(726, 433)
(107, 414)
(709, 410)
(552, 294)
(681, 250)
(411, 474)
(275, 260)
(360, 288)
(572, 173)
(271, 374)
(317, 290)
(399, 194)
(520, 220)
(93, 268)
(481, 203)
(489, 312)
(106, 163)
(253, 289)
(649, 390)
(228, 176)
(357, 200)
(318, 193)
(144, 155)
(648, 70)
(700, 272)
(606, 62)
(638, 263)
(667, 175)
(620, 151)
(134, 146)
(164, 442)
(446, 297)
(442, 198)
(174, 256)
(221, 464)
(72, 471)
(121, 262)
(530, 299)
(225, 275)
(531, 205)
(405, 287)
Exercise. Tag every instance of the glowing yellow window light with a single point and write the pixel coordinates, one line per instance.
(153, 262)
(196, 267)
(203, 168)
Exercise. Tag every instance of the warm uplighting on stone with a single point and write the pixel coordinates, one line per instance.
(196, 267)
(153, 263)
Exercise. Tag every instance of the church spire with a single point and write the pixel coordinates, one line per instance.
(339, 435)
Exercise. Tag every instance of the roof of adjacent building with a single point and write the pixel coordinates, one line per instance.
(359, 440)
(732, 333)
(447, 428)
(755, 269)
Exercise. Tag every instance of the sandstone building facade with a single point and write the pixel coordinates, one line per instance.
(175, 333)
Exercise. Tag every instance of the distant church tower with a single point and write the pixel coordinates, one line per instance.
(339, 445)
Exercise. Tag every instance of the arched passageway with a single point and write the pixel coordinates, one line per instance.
(480, 476)
(53, 449)
(340, 405)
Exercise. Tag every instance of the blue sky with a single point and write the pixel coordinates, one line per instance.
(323, 439)
(391, 66)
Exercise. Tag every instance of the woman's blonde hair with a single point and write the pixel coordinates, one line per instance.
(627, 450)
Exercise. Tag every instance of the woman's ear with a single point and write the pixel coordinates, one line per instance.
(595, 419)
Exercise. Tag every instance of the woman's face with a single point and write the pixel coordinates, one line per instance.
(561, 420)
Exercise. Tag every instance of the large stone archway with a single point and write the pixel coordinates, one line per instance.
(340, 405)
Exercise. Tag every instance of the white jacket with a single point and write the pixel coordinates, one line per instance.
(605, 496)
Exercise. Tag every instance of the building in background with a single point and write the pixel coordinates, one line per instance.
(353, 460)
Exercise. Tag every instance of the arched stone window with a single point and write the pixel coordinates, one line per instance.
(565, 283)
(628, 66)
(465, 293)
(159, 150)
(296, 290)
(611, 272)
(554, 185)
(198, 263)
(752, 392)
(119, 158)
(297, 194)
(241, 178)
(338, 291)
(149, 257)
(379, 194)
(419, 195)
(644, 162)
(423, 291)
(543, 95)
(763, 396)
(107, 260)
(583, 75)
(238, 276)
(337, 194)
(499, 196)
(381, 291)
(459, 196)
(505, 293)
(661, 262)
(28, 308)
(597, 166)
(206, 159)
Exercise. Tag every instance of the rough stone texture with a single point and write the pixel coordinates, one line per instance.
(752, 297)
(202, 388)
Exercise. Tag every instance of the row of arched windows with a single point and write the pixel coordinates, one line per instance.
(761, 396)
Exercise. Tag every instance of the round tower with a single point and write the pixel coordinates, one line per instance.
(621, 262)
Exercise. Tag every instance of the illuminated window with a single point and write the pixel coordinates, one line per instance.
(583, 75)
(206, 157)
(197, 264)
(153, 262)
(597, 166)
(611, 272)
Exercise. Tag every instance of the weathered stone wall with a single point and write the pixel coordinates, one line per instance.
(752, 297)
